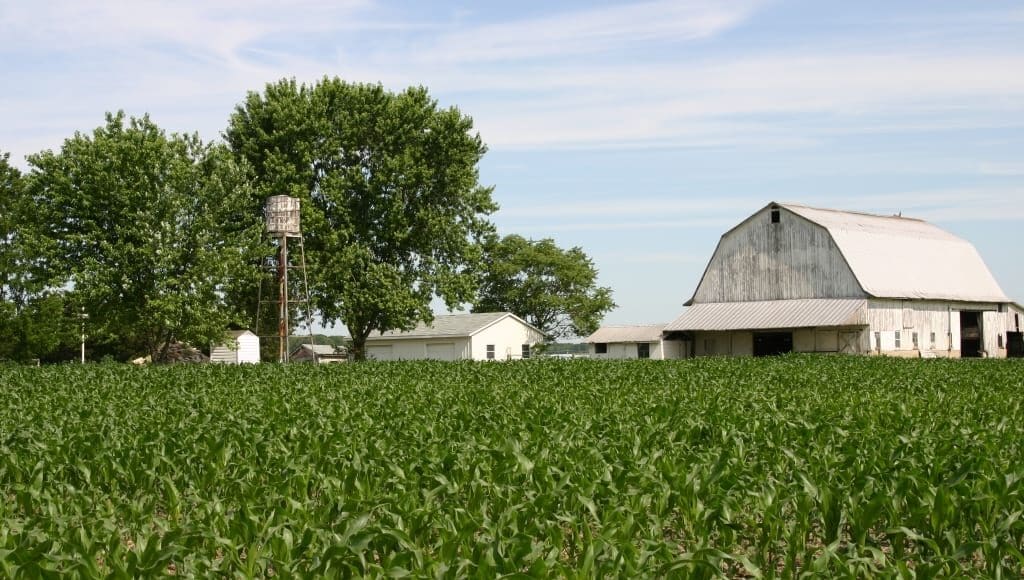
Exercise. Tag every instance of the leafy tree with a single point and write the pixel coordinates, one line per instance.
(393, 213)
(553, 289)
(149, 229)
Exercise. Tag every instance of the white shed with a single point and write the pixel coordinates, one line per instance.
(242, 347)
(476, 336)
(803, 279)
(637, 341)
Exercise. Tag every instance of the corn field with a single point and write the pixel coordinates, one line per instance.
(788, 467)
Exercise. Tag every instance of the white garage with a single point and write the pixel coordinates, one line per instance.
(475, 336)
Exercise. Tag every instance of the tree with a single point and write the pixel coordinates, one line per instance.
(393, 213)
(150, 230)
(553, 289)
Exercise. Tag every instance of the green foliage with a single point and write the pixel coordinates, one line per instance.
(151, 230)
(553, 289)
(796, 466)
(392, 211)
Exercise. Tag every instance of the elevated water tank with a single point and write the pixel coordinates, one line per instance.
(283, 215)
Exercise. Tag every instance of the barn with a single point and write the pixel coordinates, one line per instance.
(476, 336)
(632, 341)
(797, 278)
(242, 347)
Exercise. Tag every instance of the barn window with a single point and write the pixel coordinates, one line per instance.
(490, 352)
(643, 350)
(913, 338)
(999, 340)
(1016, 321)
(931, 338)
(878, 341)
(526, 351)
(709, 346)
(775, 216)
(600, 348)
(896, 339)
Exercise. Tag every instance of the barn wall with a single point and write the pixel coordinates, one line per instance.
(508, 336)
(759, 260)
(924, 317)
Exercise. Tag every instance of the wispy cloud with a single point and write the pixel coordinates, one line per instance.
(588, 31)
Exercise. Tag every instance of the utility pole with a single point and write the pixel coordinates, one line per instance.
(82, 317)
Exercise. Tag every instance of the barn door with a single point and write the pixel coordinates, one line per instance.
(849, 342)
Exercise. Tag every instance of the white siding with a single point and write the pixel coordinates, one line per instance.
(244, 349)
(508, 336)
(759, 260)
(629, 350)
(418, 348)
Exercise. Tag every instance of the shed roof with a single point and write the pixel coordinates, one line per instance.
(900, 257)
(801, 313)
(321, 349)
(451, 326)
(634, 333)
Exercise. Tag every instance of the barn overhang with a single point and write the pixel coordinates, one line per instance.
(769, 314)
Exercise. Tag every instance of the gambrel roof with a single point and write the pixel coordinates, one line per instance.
(900, 257)
(892, 256)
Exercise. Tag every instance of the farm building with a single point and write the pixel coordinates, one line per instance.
(319, 353)
(242, 347)
(640, 341)
(797, 278)
(477, 336)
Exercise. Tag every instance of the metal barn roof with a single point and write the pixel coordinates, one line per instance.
(801, 313)
(635, 333)
(450, 326)
(899, 257)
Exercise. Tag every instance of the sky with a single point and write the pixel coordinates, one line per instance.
(638, 131)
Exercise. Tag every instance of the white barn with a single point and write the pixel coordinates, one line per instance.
(632, 342)
(243, 347)
(797, 278)
(477, 336)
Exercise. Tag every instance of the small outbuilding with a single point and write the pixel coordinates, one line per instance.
(631, 342)
(319, 353)
(476, 336)
(242, 347)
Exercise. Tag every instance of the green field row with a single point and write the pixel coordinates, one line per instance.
(833, 466)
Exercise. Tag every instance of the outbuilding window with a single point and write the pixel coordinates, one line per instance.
(490, 352)
(526, 351)
(913, 338)
(999, 340)
(896, 340)
(600, 348)
(931, 338)
(643, 350)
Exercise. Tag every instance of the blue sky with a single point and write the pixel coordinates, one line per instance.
(638, 131)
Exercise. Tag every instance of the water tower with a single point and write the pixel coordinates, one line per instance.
(283, 223)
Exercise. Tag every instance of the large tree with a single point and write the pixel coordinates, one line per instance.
(393, 212)
(152, 231)
(553, 289)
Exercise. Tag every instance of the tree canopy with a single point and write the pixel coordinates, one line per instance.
(553, 289)
(393, 212)
(151, 230)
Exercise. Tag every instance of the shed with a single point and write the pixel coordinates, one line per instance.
(474, 336)
(242, 346)
(630, 342)
(319, 353)
(797, 278)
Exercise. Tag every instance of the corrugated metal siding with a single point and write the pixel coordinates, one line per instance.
(760, 260)
(805, 313)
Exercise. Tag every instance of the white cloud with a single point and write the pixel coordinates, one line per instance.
(589, 31)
